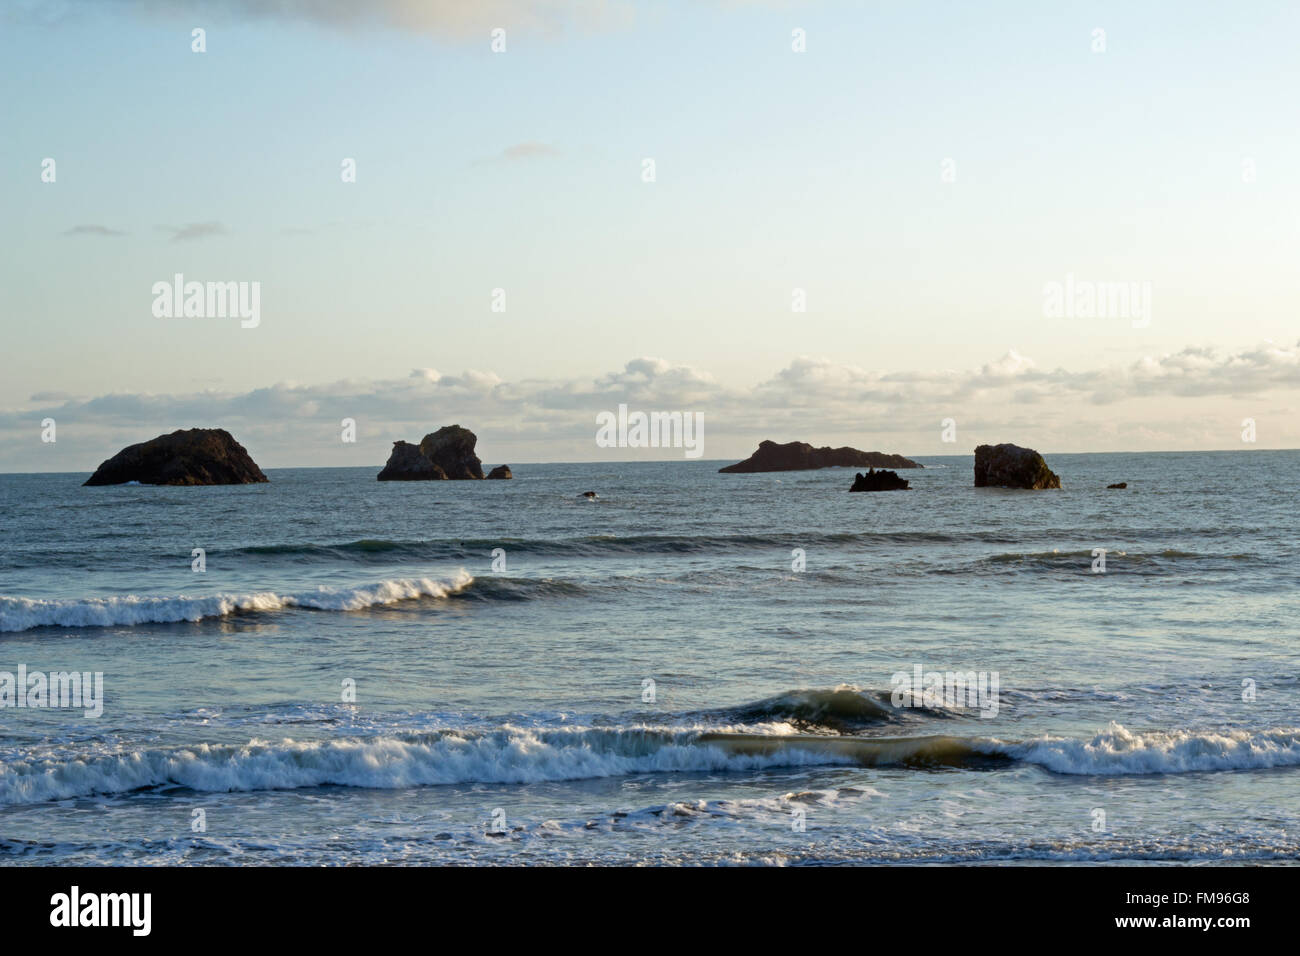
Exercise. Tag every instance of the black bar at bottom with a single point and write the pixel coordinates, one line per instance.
(332, 906)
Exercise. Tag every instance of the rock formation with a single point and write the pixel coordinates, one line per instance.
(500, 471)
(406, 463)
(1010, 466)
(446, 453)
(1122, 484)
(879, 481)
(800, 456)
(451, 448)
(195, 456)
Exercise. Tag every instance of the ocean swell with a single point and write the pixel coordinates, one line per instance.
(22, 614)
(520, 756)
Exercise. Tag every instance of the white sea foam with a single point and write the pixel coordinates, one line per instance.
(511, 755)
(527, 755)
(21, 614)
(1120, 751)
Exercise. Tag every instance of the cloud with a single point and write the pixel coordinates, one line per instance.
(810, 399)
(46, 397)
(93, 231)
(520, 153)
(195, 230)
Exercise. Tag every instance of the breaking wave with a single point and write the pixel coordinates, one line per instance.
(519, 756)
(22, 614)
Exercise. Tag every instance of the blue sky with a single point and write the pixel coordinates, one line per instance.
(521, 170)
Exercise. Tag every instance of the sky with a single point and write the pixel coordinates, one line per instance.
(917, 176)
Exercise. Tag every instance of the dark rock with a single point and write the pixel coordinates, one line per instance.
(195, 456)
(446, 453)
(1010, 466)
(451, 448)
(800, 456)
(1122, 484)
(879, 481)
(500, 471)
(589, 494)
(406, 463)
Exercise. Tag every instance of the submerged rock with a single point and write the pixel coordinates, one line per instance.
(589, 494)
(446, 453)
(406, 463)
(1121, 484)
(500, 471)
(800, 456)
(1010, 466)
(195, 456)
(879, 481)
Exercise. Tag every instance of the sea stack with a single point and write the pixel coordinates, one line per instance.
(194, 456)
(405, 463)
(1010, 466)
(446, 453)
(800, 456)
(880, 481)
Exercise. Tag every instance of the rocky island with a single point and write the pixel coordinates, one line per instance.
(1010, 466)
(445, 454)
(880, 481)
(195, 456)
(800, 456)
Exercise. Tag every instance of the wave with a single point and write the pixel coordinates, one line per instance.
(1081, 562)
(391, 762)
(388, 551)
(22, 614)
(842, 710)
(460, 549)
(496, 587)
(521, 756)
(1120, 751)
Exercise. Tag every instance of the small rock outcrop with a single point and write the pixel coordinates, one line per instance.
(406, 463)
(446, 453)
(800, 456)
(589, 494)
(1120, 484)
(500, 471)
(879, 481)
(1010, 466)
(194, 456)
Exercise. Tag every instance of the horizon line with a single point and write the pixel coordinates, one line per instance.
(705, 461)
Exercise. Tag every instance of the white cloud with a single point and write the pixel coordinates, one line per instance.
(811, 399)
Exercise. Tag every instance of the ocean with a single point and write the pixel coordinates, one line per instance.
(691, 668)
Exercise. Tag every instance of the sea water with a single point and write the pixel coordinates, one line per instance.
(691, 668)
